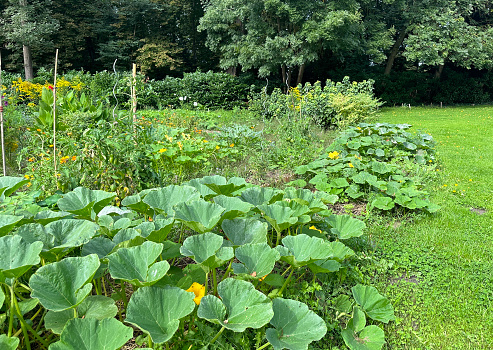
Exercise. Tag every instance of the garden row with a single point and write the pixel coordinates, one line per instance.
(66, 270)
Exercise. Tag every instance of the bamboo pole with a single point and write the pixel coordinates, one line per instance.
(134, 94)
(54, 114)
(1, 120)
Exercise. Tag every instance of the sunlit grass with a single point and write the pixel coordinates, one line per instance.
(451, 252)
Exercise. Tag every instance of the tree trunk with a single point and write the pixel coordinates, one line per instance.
(28, 62)
(395, 51)
(438, 73)
(283, 76)
(301, 70)
(231, 71)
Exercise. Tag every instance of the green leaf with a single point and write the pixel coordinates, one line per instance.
(243, 231)
(261, 195)
(370, 338)
(46, 216)
(10, 184)
(136, 203)
(8, 343)
(381, 167)
(101, 246)
(161, 231)
(199, 215)
(325, 266)
(2, 297)
(295, 325)
(163, 199)
(241, 306)
(257, 260)
(137, 266)
(207, 250)
(220, 186)
(82, 201)
(157, 311)
(344, 226)
(70, 233)
(92, 334)
(94, 306)
(375, 305)
(7, 223)
(64, 285)
(280, 217)
(302, 250)
(383, 203)
(17, 256)
(340, 182)
(364, 177)
(234, 206)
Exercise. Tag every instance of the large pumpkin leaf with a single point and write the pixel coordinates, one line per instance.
(261, 195)
(46, 216)
(234, 206)
(64, 285)
(280, 217)
(7, 223)
(162, 228)
(358, 337)
(207, 250)
(17, 256)
(135, 202)
(101, 246)
(220, 186)
(93, 334)
(137, 264)
(344, 226)
(83, 201)
(94, 306)
(257, 260)
(8, 343)
(10, 184)
(296, 326)
(163, 199)
(305, 197)
(70, 233)
(373, 303)
(205, 191)
(157, 311)
(199, 215)
(245, 230)
(302, 250)
(241, 306)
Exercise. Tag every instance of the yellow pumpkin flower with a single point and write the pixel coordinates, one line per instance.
(199, 291)
(334, 155)
(351, 165)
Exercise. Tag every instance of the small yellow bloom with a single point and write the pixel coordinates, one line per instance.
(74, 158)
(204, 141)
(314, 228)
(38, 130)
(199, 291)
(232, 145)
(470, 179)
(162, 150)
(351, 165)
(217, 147)
(334, 155)
(50, 146)
(30, 160)
(358, 128)
(26, 176)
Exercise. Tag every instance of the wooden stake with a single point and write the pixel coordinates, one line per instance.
(1, 119)
(134, 96)
(54, 114)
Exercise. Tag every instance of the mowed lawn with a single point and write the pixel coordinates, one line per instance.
(438, 269)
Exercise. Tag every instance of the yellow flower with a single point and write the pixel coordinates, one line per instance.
(180, 145)
(358, 128)
(30, 160)
(314, 228)
(351, 165)
(162, 150)
(204, 141)
(38, 130)
(232, 145)
(74, 158)
(334, 155)
(217, 147)
(50, 146)
(26, 176)
(199, 291)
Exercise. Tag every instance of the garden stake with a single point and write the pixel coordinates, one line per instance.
(54, 115)
(1, 119)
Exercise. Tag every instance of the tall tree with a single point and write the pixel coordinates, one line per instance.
(28, 24)
(275, 35)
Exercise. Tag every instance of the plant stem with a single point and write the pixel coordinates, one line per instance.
(214, 280)
(286, 270)
(124, 294)
(218, 335)
(285, 283)
(11, 319)
(149, 341)
(278, 237)
(206, 282)
(263, 346)
(228, 270)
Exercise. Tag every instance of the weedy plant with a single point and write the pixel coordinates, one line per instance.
(217, 255)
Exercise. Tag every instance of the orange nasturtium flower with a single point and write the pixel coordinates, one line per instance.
(199, 291)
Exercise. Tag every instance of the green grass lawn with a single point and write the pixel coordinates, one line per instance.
(438, 269)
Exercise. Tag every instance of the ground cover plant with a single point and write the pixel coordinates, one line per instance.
(436, 269)
(73, 264)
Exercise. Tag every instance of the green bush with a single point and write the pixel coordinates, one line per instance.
(335, 105)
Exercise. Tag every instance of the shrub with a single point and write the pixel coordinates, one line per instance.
(334, 105)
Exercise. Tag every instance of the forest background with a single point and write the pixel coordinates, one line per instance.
(418, 52)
